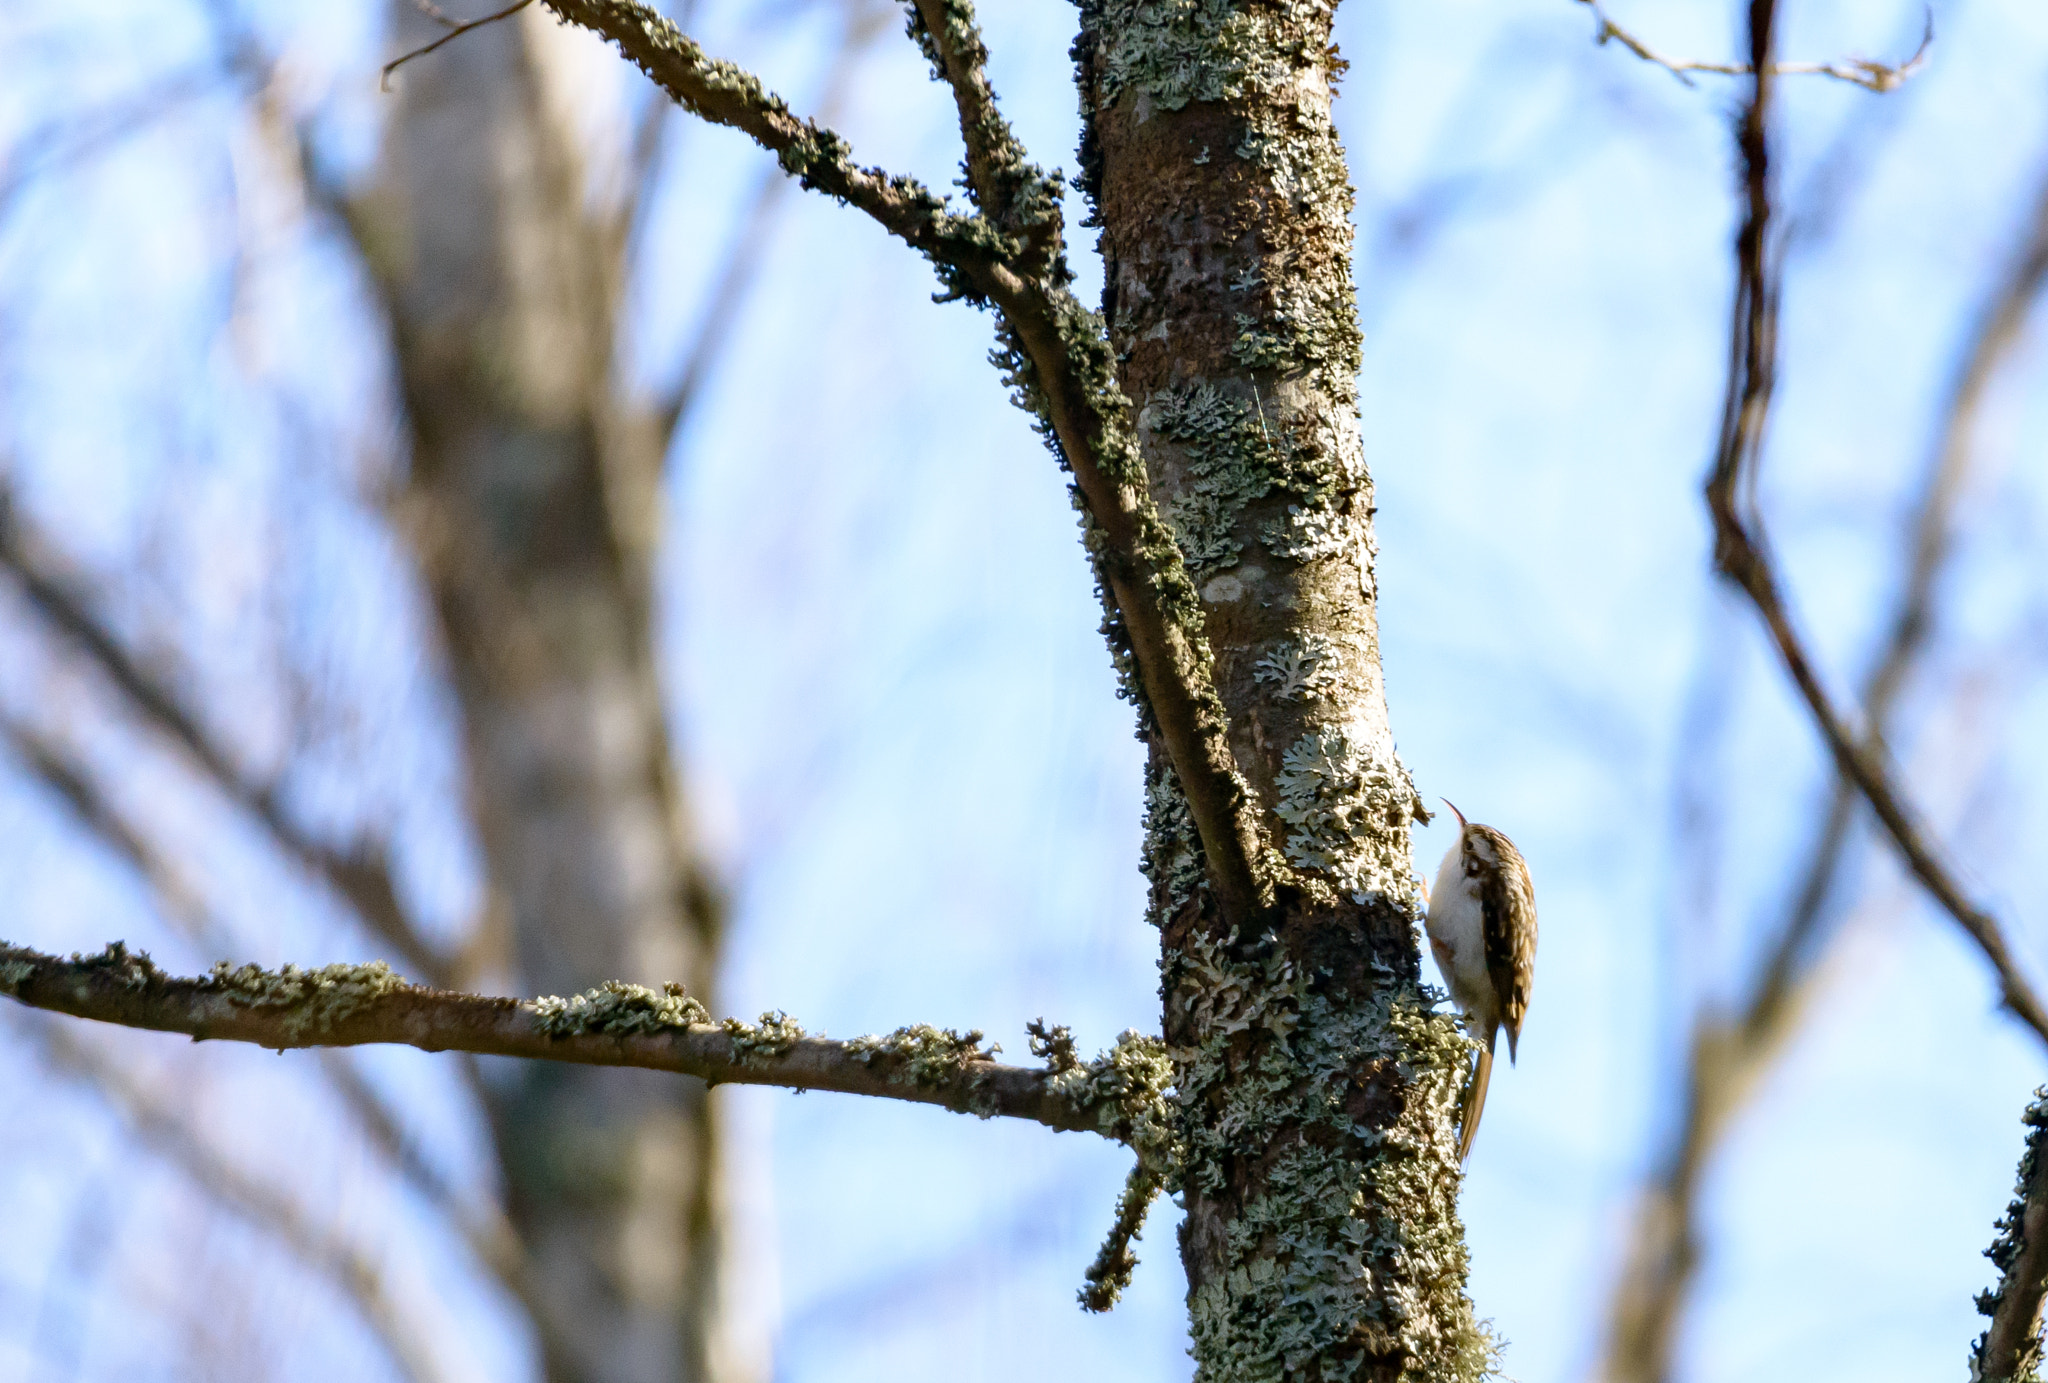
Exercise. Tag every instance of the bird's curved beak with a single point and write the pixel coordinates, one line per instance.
(1454, 811)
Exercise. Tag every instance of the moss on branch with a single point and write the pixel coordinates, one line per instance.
(1122, 1094)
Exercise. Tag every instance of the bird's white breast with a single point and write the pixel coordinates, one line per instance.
(1457, 932)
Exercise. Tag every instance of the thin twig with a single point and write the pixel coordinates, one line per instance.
(317, 1247)
(384, 80)
(1741, 549)
(1871, 76)
(614, 1025)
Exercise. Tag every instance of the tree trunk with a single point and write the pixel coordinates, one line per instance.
(531, 501)
(1321, 1239)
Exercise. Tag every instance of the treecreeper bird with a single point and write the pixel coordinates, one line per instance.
(1482, 930)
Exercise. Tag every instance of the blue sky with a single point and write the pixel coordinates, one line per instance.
(900, 719)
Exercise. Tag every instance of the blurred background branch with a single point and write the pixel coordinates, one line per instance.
(1731, 1047)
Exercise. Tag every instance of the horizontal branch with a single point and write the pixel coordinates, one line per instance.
(1120, 1095)
(1871, 76)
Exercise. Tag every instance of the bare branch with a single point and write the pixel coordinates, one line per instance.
(362, 876)
(1728, 1052)
(1119, 1095)
(341, 1263)
(1871, 76)
(1741, 550)
(384, 78)
(2011, 1349)
(1058, 359)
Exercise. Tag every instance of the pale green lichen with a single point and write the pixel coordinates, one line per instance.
(1303, 670)
(14, 974)
(2006, 1253)
(1173, 860)
(1106, 1278)
(312, 1001)
(1053, 1045)
(923, 1055)
(1230, 460)
(1193, 50)
(1346, 811)
(1128, 1088)
(619, 1010)
(1346, 1248)
(1309, 533)
(1235, 451)
(775, 1033)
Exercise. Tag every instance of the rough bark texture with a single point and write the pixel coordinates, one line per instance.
(531, 506)
(1322, 1239)
(1120, 1094)
(2010, 1350)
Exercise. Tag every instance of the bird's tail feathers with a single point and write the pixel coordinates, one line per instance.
(1475, 1095)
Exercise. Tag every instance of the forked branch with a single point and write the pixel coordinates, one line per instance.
(1120, 1095)
(1730, 1049)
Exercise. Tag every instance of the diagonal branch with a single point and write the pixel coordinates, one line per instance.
(1119, 1095)
(818, 158)
(2010, 1350)
(1871, 76)
(1728, 1052)
(1056, 356)
(1010, 190)
(362, 876)
(318, 1248)
(1741, 550)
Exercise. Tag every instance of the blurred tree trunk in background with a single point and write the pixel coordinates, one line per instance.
(531, 509)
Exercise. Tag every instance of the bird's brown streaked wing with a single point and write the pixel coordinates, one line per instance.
(1507, 902)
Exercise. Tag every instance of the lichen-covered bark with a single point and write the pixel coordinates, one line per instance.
(2009, 1351)
(531, 507)
(1321, 1239)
